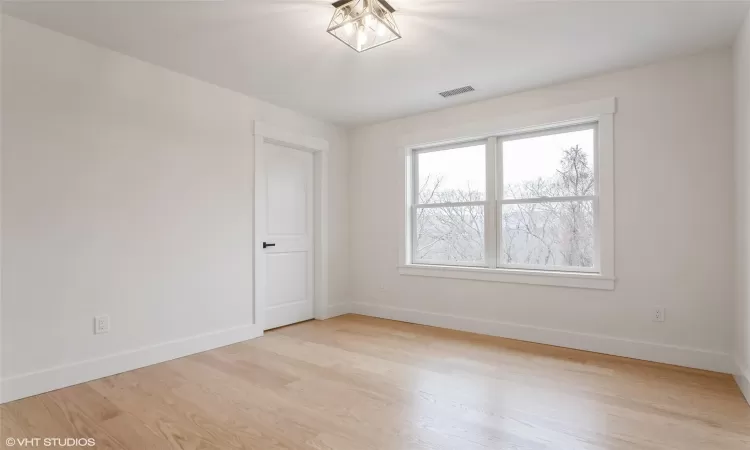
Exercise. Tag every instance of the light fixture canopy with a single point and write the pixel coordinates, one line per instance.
(363, 24)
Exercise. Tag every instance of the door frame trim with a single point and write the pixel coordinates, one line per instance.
(267, 133)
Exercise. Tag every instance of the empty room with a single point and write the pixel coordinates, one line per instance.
(375, 224)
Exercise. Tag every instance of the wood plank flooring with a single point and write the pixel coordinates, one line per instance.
(356, 382)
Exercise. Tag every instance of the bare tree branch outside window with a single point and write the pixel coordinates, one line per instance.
(541, 233)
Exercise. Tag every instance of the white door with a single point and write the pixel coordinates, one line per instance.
(284, 235)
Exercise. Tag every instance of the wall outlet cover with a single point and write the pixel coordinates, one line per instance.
(101, 324)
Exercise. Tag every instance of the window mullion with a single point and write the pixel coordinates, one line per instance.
(490, 215)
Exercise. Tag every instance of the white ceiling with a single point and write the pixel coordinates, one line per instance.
(278, 50)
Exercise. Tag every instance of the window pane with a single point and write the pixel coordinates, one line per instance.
(549, 234)
(556, 165)
(452, 176)
(450, 235)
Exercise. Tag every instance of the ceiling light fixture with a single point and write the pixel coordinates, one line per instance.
(363, 24)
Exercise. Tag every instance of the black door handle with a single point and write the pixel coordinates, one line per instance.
(266, 244)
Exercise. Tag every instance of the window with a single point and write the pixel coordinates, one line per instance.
(514, 206)
(449, 211)
(548, 201)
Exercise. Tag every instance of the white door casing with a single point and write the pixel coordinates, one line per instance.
(290, 211)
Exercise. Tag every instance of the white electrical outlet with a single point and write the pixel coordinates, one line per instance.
(659, 314)
(101, 324)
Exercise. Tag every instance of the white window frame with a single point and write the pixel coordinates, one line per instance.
(414, 210)
(599, 114)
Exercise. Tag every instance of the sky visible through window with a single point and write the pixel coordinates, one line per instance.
(458, 169)
(539, 157)
(523, 160)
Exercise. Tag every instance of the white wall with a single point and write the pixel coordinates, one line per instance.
(673, 217)
(742, 168)
(127, 190)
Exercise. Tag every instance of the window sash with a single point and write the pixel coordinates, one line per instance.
(499, 186)
(494, 192)
(415, 170)
(415, 241)
(595, 268)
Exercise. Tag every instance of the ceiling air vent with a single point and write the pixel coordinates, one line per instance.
(457, 91)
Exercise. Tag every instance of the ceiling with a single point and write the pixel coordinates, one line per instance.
(278, 50)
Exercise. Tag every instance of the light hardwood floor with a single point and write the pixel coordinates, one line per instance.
(355, 382)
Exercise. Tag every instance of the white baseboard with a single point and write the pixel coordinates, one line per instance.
(33, 383)
(339, 309)
(742, 377)
(668, 354)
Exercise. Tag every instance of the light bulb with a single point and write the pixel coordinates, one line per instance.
(349, 28)
(361, 37)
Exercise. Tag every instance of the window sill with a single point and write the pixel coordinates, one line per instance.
(564, 279)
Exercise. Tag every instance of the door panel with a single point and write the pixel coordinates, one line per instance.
(287, 197)
(293, 266)
(285, 270)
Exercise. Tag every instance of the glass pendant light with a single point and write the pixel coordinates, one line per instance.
(363, 24)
